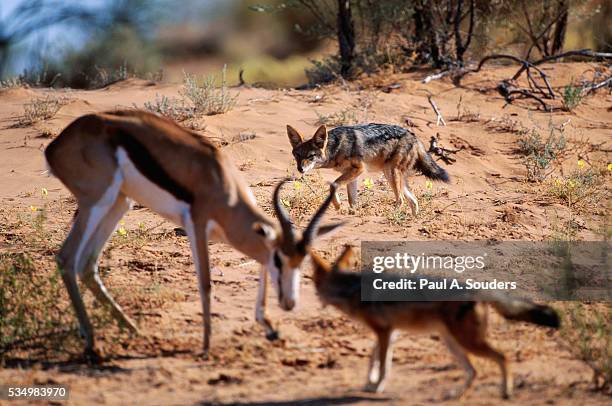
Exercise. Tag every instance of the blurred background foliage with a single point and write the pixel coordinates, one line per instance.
(90, 43)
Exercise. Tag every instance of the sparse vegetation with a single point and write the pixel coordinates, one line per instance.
(198, 98)
(346, 116)
(587, 330)
(41, 108)
(171, 107)
(205, 98)
(540, 154)
(572, 96)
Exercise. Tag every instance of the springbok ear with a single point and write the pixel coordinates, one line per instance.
(344, 260)
(329, 228)
(295, 138)
(320, 137)
(266, 231)
(319, 263)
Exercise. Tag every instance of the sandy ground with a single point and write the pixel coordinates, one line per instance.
(322, 356)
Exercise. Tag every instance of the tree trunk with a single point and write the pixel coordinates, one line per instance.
(346, 37)
(560, 28)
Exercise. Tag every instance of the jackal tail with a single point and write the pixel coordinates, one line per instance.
(429, 167)
(523, 310)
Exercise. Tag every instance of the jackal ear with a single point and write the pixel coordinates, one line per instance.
(320, 137)
(295, 138)
(266, 231)
(344, 260)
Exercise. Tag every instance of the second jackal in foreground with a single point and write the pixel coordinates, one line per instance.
(461, 324)
(377, 147)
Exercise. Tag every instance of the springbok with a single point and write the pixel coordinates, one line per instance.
(108, 159)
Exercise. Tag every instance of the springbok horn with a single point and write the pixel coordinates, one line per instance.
(283, 217)
(311, 231)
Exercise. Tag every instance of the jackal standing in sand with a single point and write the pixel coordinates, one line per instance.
(461, 324)
(378, 147)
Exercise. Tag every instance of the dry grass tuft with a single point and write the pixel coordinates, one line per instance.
(41, 108)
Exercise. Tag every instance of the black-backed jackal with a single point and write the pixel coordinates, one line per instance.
(461, 324)
(391, 149)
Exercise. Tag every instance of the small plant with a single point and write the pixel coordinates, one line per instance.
(325, 71)
(540, 154)
(41, 108)
(205, 98)
(583, 188)
(338, 118)
(587, 330)
(170, 107)
(572, 96)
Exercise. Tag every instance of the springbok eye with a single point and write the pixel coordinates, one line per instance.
(277, 261)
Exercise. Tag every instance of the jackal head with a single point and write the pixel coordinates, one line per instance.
(308, 154)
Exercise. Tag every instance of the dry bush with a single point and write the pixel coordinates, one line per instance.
(346, 116)
(539, 153)
(583, 189)
(41, 108)
(197, 99)
(171, 107)
(205, 98)
(587, 332)
(35, 315)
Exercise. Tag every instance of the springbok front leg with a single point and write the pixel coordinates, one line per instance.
(91, 277)
(260, 306)
(197, 231)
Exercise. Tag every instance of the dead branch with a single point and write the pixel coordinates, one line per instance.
(578, 52)
(436, 76)
(441, 152)
(507, 90)
(594, 86)
(439, 118)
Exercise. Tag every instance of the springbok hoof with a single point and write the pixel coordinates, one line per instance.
(272, 335)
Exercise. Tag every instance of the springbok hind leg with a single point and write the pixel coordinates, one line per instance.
(198, 238)
(91, 277)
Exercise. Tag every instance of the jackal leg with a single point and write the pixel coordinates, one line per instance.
(385, 356)
(350, 175)
(351, 190)
(91, 277)
(461, 356)
(481, 348)
(414, 204)
(394, 178)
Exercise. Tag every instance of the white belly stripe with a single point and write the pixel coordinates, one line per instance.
(138, 187)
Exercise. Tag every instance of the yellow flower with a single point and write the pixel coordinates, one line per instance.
(33, 209)
(610, 167)
(285, 202)
(571, 183)
(297, 185)
(557, 182)
(581, 163)
(368, 183)
(44, 192)
(121, 231)
(428, 185)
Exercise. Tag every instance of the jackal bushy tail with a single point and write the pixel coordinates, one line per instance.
(522, 310)
(429, 167)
